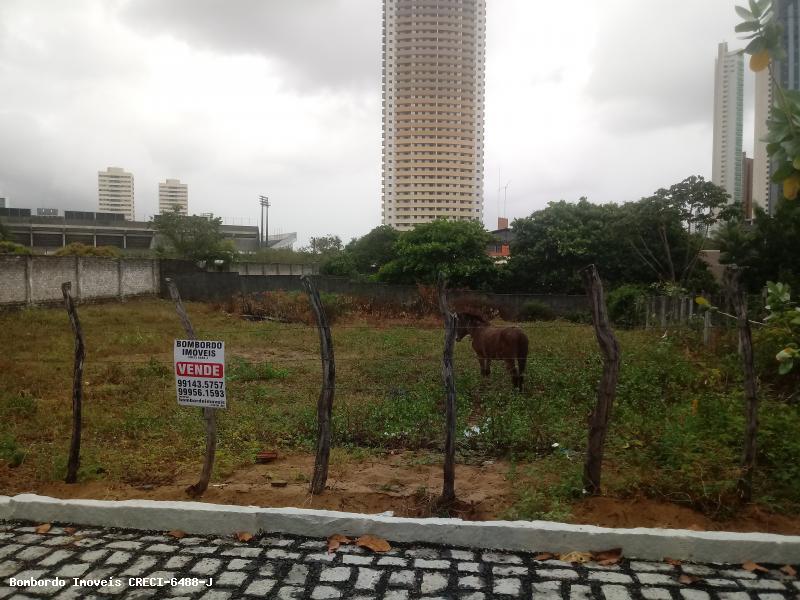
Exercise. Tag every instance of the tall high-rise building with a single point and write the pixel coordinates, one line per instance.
(787, 72)
(761, 167)
(433, 110)
(172, 195)
(115, 192)
(726, 168)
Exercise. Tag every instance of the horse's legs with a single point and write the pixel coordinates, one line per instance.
(485, 366)
(516, 378)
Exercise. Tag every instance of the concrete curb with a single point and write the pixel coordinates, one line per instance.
(202, 518)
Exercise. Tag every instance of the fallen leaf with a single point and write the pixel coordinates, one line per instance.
(672, 561)
(608, 557)
(375, 544)
(688, 579)
(544, 556)
(336, 540)
(577, 557)
(244, 536)
(789, 570)
(177, 533)
(70, 530)
(43, 528)
(751, 566)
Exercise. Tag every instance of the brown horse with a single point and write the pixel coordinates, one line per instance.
(495, 343)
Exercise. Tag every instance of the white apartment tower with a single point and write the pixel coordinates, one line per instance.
(115, 192)
(433, 110)
(726, 169)
(172, 194)
(761, 166)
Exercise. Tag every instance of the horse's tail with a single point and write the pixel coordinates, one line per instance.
(522, 357)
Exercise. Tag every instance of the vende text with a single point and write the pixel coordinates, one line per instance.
(192, 369)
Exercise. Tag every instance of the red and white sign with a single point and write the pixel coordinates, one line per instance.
(200, 373)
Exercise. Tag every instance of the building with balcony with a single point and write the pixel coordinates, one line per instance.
(173, 195)
(115, 192)
(726, 167)
(433, 110)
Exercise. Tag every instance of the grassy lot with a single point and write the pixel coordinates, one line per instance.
(675, 434)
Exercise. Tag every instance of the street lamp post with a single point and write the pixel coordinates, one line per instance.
(264, 201)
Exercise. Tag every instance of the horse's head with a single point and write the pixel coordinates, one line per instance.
(467, 323)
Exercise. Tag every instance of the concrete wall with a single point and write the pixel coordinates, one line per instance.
(38, 279)
(248, 268)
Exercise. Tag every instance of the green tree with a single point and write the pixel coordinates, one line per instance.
(194, 238)
(553, 244)
(667, 231)
(373, 250)
(325, 245)
(455, 248)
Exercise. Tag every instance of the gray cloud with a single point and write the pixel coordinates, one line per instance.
(317, 43)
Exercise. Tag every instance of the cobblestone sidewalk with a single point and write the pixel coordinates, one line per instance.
(94, 562)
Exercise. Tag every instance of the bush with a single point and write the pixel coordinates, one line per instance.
(78, 249)
(625, 303)
(536, 311)
(7, 247)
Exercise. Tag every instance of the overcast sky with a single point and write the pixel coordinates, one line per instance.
(607, 99)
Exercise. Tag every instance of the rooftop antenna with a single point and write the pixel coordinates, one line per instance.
(505, 198)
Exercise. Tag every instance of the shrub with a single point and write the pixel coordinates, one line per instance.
(536, 311)
(625, 303)
(78, 249)
(7, 247)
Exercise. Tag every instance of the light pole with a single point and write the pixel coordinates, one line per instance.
(264, 201)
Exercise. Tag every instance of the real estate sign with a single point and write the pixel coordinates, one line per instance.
(200, 373)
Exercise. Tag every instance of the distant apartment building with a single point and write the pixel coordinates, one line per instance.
(787, 72)
(3, 203)
(115, 192)
(46, 212)
(747, 187)
(433, 110)
(761, 166)
(726, 168)
(172, 195)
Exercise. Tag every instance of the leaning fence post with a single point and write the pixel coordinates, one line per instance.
(325, 402)
(738, 299)
(209, 414)
(450, 322)
(77, 386)
(607, 389)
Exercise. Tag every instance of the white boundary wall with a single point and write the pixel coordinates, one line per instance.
(38, 279)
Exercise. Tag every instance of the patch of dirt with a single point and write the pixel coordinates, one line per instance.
(644, 512)
(407, 483)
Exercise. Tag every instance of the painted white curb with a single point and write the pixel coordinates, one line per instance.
(199, 517)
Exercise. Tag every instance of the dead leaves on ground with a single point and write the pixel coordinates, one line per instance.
(752, 566)
(370, 542)
(177, 534)
(336, 540)
(43, 528)
(789, 570)
(603, 557)
(688, 579)
(243, 536)
(373, 543)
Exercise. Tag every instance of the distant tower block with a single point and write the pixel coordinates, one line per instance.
(726, 167)
(115, 192)
(433, 110)
(172, 195)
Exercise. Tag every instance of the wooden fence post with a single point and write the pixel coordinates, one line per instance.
(607, 389)
(74, 460)
(325, 402)
(209, 414)
(738, 299)
(450, 322)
